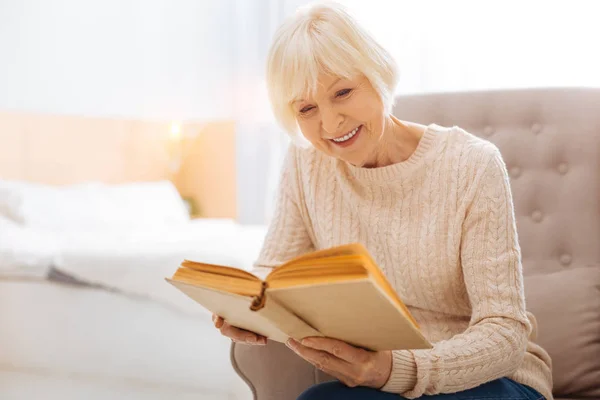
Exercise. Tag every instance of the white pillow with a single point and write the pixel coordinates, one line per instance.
(24, 251)
(92, 206)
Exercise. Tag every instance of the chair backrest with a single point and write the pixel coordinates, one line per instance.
(550, 141)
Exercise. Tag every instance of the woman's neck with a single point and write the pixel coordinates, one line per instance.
(397, 143)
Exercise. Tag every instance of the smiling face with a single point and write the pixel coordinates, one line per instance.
(343, 118)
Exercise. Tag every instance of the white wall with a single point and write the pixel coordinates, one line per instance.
(158, 59)
(462, 45)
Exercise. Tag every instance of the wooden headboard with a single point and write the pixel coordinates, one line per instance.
(63, 150)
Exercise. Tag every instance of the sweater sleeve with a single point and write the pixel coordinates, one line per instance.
(288, 235)
(495, 341)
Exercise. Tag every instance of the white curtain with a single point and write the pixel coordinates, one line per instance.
(440, 46)
(260, 142)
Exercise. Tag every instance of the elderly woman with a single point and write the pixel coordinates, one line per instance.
(432, 204)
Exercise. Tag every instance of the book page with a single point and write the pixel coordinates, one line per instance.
(232, 284)
(345, 250)
(219, 270)
(319, 267)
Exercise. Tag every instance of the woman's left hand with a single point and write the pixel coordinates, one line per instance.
(351, 365)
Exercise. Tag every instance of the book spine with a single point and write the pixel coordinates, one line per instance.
(259, 301)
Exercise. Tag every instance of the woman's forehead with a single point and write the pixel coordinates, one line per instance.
(323, 83)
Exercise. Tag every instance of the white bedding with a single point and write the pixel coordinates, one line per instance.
(127, 237)
(136, 262)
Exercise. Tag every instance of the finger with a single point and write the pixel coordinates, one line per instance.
(320, 359)
(242, 335)
(342, 371)
(218, 321)
(338, 348)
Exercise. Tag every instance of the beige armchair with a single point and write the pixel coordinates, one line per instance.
(550, 140)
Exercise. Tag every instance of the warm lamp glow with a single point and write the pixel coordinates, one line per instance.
(175, 131)
(175, 147)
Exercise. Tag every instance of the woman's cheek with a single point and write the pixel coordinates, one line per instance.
(312, 134)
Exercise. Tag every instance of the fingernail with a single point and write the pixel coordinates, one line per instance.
(306, 342)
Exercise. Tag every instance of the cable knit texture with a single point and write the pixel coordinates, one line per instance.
(441, 226)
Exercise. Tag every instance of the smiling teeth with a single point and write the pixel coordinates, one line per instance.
(347, 137)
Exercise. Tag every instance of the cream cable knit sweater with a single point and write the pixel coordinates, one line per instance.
(441, 226)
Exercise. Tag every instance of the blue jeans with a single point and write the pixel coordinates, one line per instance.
(500, 389)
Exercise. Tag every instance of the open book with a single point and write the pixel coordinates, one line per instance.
(338, 293)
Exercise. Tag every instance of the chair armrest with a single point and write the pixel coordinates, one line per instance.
(274, 372)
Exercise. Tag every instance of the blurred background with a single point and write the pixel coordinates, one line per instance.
(136, 133)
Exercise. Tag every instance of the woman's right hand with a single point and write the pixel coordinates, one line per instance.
(236, 334)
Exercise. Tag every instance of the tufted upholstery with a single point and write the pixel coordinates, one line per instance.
(550, 141)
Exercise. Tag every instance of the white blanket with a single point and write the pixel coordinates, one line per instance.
(136, 262)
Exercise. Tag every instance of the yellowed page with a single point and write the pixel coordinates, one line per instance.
(345, 250)
(219, 282)
(219, 270)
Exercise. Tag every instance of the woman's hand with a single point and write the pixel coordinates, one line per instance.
(349, 364)
(236, 334)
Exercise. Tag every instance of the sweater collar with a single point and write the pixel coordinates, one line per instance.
(394, 171)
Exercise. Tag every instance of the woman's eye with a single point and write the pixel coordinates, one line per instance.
(306, 109)
(343, 92)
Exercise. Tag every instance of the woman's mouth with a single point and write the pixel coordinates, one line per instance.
(348, 138)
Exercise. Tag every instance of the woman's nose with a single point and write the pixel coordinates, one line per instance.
(331, 121)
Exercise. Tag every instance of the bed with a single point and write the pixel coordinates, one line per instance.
(84, 308)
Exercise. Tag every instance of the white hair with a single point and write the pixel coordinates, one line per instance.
(323, 38)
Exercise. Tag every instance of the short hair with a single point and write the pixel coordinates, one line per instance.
(323, 37)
